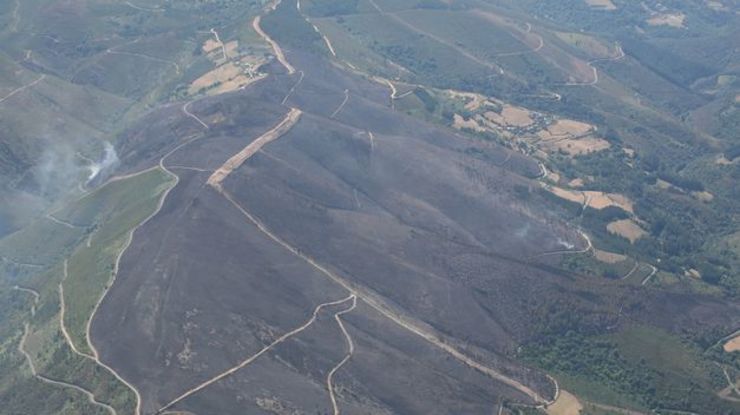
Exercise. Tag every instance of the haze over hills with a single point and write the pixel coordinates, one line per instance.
(369, 207)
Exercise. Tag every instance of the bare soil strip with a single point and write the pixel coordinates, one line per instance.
(22, 88)
(275, 47)
(407, 322)
(254, 357)
(350, 351)
(237, 160)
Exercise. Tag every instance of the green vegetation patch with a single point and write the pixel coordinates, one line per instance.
(115, 210)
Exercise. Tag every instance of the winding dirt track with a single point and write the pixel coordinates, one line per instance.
(254, 357)
(341, 106)
(589, 247)
(620, 55)
(653, 272)
(62, 310)
(22, 349)
(22, 88)
(350, 351)
(406, 322)
(186, 111)
(116, 266)
(295, 86)
(632, 271)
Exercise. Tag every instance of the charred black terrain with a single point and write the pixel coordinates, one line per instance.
(356, 223)
(437, 237)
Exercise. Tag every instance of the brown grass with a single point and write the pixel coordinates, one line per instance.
(601, 200)
(516, 116)
(601, 4)
(221, 74)
(211, 45)
(460, 123)
(626, 228)
(569, 128)
(668, 19)
(576, 183)
(596, 200)
(567, 404)
(609, 257)
(703, 196)
(733, 345)
(577, 147)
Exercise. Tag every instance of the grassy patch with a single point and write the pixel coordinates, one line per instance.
(105, 218)
(117, 208)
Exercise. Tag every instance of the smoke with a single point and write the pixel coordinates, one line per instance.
(567, 245)
(523, 231)
(101, 170)
(59, 171)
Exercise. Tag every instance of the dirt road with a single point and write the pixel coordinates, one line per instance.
(275, 47)
(295, 86)
(619, 56)
(341, 106)
(22, 349)
(116, 267)
(254, 357)
(407, 322)
(350, 351)
(186, 111)
(652, 272)
(21, 89)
